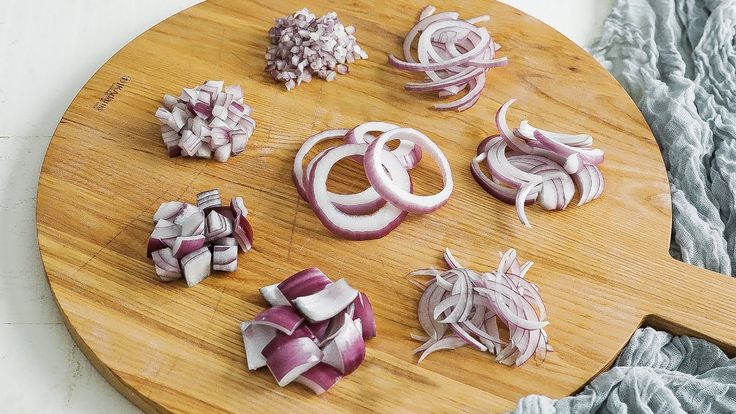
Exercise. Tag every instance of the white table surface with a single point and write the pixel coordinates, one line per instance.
(48, 50)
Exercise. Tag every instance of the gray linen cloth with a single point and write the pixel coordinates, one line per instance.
(677, 60)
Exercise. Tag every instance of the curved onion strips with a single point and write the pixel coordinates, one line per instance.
(315, 354)
(453, 53)
(497, 311)
(528, 164)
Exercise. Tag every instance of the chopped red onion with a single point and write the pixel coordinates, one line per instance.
(294, 346)
(303, 46)
(207, 121)
(185, 241)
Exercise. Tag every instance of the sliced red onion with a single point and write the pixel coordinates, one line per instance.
(298, 170)
(281, 318)
(307, 282)
(225, 258)
(346, 350)
(526, 131)
(293, 359)
(353, 227)
(408, 153)
(326, 303)
(335, 325)
(364, 312)
(272, 294)
(389, 189)
(473, 303)
(196, 265)
(167, 266)
(207, 121)
(319, 378)
(281, 338)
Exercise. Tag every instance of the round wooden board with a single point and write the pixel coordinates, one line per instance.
(603, 269)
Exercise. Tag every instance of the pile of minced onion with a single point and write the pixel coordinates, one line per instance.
(207, 121)
(189, 241)
(376, 211)
(497, 311)
(528, 165)
(454, 54)
(303, 46)
(314, 332)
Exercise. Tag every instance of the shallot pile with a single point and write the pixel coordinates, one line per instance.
(207, 121)
(191, 240)
(303, 46)
(497, 311)
(454, 54)
(313, 333)
(376, 211)
(540, 166)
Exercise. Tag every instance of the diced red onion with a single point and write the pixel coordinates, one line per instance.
(364, 312)
(167, 266)
(196, 265)
(303, 46)
(282, 318)
(272, 294)
(225, 258)
(346, 350)
(183, 245)
(304, 283)
(207, 121)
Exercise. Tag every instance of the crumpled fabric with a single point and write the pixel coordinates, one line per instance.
(677, 60)
(656, 373)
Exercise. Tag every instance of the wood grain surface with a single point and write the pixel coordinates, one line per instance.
(603, 269)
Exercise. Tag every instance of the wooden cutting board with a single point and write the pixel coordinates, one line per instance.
(603, 269)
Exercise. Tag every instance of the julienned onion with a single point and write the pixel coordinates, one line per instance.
(380, 208)
(189, 241)
(498, 311)
(530, 165)
(314, 332)
(454, 54)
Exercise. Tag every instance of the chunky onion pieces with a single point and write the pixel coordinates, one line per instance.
(529, 165)
(189, 241)
(376, 211)
(303, 46)
(314, 332)
(454, 54)
(498, 311)
(207, 121)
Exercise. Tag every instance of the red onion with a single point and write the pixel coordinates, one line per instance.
(454, 54)
(408, 153)
(472, 304)
(303, 46)
(207, 121)
(315, 354)
(355, 227)
(386, 186)
(186, 243)
(541, 166)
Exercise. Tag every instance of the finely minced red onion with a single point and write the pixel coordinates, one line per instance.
(303, 46)
(454, 54)
(461, 307)
(207, 121)
(189, 241)
(530, 165)
(313, 334)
